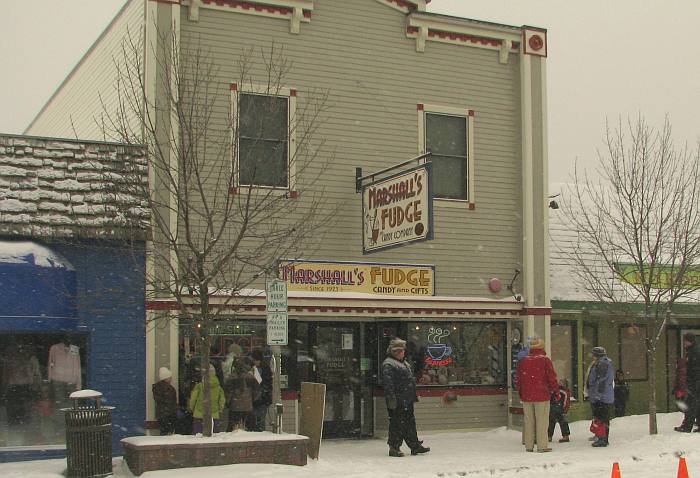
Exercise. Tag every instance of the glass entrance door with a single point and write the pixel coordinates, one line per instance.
(335, 361)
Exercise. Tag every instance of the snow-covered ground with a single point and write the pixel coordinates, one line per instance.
(497, 453)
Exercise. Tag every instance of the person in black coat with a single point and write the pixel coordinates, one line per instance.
(400, 393)
(256, 421)
(692, 352)
(622, 393)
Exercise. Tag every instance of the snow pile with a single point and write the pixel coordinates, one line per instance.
(497, 453)
(237, 436)
(24, 252)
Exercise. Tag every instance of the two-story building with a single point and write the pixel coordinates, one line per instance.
(400, 81)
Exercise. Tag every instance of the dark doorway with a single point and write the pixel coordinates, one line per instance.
(332, 353)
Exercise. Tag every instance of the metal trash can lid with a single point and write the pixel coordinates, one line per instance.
(85, 394)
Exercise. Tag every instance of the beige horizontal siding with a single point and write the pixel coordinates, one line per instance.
(359, 53)
(467, 412)
(77, 106)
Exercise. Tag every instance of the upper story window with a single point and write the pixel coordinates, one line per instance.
(447, 133)
(265, 139)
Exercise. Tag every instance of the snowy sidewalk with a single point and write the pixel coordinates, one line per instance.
(497, 453)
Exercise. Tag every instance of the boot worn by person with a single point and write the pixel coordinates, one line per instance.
(395, 452)
(544, 450)
(564, 439)
(600, 442)
(683, 429)
(420, 449)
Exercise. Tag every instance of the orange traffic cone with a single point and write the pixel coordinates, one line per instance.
(616, 471)
(682, 468)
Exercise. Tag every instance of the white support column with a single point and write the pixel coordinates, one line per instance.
(150, 33)
(174, 332)
(528, 227)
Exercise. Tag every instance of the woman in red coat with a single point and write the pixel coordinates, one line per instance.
(536, 381)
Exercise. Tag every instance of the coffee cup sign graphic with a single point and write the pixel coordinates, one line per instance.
(438, 353)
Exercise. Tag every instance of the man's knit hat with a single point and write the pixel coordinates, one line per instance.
(598, 351)
(163, 373)
(537, 344)
(396, 344)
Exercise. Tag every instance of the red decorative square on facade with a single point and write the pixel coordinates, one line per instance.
(534, 41)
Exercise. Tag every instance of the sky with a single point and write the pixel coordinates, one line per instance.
(607, 60)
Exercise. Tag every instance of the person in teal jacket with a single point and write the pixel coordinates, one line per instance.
(216, 397)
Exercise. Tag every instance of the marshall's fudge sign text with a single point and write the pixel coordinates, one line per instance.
(397, 210)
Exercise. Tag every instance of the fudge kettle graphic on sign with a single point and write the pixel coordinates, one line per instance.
(438, 353)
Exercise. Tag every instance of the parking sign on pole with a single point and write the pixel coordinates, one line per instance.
(276, 305)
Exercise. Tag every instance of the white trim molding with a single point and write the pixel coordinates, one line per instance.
(283, 92)
(469, 114)
(424, 27)
(296, 11)
(406, 6)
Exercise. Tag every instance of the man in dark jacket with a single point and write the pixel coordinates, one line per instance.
(536, 382)
(400, 393)
(261, 403)
(692, 353)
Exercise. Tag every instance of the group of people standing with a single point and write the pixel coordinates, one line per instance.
(245, 394)
(546, 399)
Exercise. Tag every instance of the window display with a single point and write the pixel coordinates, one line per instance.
(37, 374)
(464, 353)
(563, 352)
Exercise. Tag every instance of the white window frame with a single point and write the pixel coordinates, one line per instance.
(466, 113)
(283, 92)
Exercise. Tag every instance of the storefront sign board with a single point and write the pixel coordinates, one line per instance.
(367, 278)
(397, 210)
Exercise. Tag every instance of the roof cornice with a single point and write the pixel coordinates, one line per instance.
(440, 28)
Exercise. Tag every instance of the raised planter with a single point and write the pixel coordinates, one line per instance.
(183, 451)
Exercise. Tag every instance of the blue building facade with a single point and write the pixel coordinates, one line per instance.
(72, 292)
(91, 294)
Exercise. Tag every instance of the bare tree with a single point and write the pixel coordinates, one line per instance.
(638, 227)
(223, 209)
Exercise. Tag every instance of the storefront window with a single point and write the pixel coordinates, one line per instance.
(230, 339)
(37, 374)
(633, 356)
(564, 352)
(472, 353)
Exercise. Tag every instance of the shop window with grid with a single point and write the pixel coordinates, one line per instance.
(263, 140)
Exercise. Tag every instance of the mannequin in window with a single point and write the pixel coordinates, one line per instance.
(64, 369)
(21, 379)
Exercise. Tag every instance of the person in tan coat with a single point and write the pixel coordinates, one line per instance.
(536, 382)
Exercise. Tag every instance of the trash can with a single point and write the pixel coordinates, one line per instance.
(88, 436)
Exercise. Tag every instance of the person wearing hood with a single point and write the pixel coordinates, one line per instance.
(166, 402)
(692, 379)
(536, 383)
(600, 385)
(216, 398)
(400, 394)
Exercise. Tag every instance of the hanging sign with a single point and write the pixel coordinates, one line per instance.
(397, 210)
(276, 306)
